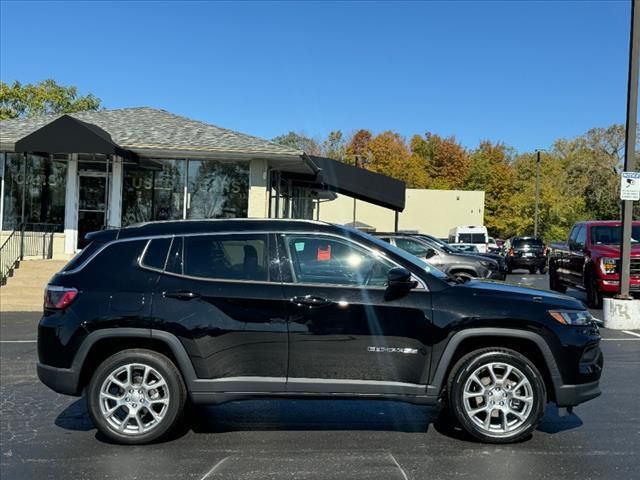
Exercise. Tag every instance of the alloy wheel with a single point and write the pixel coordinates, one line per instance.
(498, 398)
(134, 399)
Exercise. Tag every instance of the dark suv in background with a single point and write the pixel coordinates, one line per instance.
(525, 252)
(149, 317)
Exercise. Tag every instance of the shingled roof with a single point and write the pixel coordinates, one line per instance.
(146, 129)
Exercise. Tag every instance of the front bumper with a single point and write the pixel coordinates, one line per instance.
(611, 284)
(61, 380)
(572, 395)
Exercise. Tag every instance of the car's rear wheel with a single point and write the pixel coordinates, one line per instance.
(542, 270)
(532, 270)
(497, 395)
(136, 396)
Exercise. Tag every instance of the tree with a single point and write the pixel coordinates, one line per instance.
(334, 146)
(388, 154)
(357, 148)
(447, 162)
(18, 100)
(299, 141)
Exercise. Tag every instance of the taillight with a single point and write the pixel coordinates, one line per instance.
(59, 297)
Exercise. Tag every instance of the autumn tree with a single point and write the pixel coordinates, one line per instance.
(357, 147)
(388, 154)
(18, 100)
(447, 161)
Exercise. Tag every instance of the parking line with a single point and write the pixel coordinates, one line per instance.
(402, 472)
(215, 467)
(18, 341)
(621, 339)
(631, 333)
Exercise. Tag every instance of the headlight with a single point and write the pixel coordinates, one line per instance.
(608, 265)
(572, 317)
(488, 264)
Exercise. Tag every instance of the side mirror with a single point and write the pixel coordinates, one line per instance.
(430, 253)
(399, 283)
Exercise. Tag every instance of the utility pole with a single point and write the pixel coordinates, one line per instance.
(629, 150)
(535, 221)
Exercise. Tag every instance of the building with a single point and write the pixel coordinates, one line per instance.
(90, 170)
(433, 212)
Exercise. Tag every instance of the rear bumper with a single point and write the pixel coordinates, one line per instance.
(60, 380)
(517, 262)
(572, 395)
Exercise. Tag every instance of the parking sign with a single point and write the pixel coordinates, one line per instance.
(630, 186)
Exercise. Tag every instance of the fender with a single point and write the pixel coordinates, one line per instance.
(445, 360)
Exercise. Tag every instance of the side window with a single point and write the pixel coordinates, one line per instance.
(581, 238)
(412, 246)
(155, 254)
(573, 234)
(226, 257)
(336, 262)
(174, 260)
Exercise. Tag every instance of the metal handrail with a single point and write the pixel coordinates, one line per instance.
(26, 240)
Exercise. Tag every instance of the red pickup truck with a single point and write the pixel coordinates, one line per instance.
(590, 260)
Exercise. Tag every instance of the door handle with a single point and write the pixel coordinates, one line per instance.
(181, 295)
(310, 301)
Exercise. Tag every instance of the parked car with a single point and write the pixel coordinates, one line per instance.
(477, 235)
(465, 248)
(454, 263)
(454, 248)
(149, 317)
(492, 245)
(526, 252)
(590, 260)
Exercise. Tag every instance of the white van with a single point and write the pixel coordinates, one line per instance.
(471, 234)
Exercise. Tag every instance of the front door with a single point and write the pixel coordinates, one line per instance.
(344, 337)
(92, 204)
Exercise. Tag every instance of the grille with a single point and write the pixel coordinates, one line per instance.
(635, 267)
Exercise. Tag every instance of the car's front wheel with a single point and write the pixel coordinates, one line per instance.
(136, 396)
(497, 395)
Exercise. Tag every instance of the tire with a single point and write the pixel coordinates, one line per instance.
(594, 296)
(554, 282)
(532, 270)
(156, 397)
(542, 270)
(464, 275)
(485, 420)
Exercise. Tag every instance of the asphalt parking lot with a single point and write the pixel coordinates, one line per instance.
(44, 435)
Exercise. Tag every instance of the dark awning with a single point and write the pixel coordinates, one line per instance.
(360, 183)
(67, 134)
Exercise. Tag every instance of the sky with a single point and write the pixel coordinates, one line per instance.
(523, 73)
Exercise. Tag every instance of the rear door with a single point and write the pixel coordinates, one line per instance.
(218, 295)
(344, 337)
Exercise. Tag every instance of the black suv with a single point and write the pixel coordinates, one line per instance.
(149, 317)
(526, 252)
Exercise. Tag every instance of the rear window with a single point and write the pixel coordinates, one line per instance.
(472, 238)
(527, 242)
(82, 256)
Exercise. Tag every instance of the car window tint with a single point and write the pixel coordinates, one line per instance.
(472, 238)
(337, 262)
(581, 237)
(233, 257)
(527, 242)
(412, 246)
(174, 260)
(82, 256)
(155, 255)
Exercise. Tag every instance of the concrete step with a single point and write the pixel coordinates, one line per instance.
(25, 289)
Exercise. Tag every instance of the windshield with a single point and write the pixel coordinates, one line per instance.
(472, 238)
(404, 255)
(611, 235)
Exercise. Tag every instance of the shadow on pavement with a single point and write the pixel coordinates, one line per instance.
(316, 415)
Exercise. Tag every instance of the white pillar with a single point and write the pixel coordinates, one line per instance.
(258, 192)
(71, 206)
(114, 208)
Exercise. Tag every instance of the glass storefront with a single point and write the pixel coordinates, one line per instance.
(213, 190)
(40, 188)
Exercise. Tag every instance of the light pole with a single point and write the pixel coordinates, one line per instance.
(535, 218)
